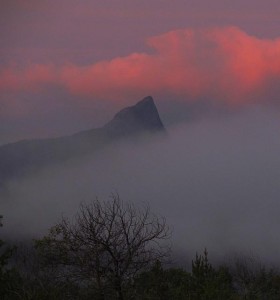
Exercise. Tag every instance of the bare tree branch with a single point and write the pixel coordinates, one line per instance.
(107, 243)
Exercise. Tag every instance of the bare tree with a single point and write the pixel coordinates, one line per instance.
(107, 244)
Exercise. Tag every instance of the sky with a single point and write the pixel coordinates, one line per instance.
(213, 69)
(68, 65)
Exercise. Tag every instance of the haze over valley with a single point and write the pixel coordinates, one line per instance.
(211, 179)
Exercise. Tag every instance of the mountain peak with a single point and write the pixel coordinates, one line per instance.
(21, 158)
(141, 116)
(147, 100)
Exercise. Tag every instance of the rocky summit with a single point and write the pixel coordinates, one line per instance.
(142, 116)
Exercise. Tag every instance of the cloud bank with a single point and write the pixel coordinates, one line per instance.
(224, 64)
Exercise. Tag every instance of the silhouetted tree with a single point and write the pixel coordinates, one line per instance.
(162, 284)
(106, 245)
(9, 277)
(208, 283)
(253, 280)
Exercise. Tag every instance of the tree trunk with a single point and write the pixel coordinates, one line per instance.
(100, 288)
(119, 290)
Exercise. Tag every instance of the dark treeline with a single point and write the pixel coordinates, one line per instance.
(114, 250)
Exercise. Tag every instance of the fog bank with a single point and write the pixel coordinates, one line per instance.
(215, 180)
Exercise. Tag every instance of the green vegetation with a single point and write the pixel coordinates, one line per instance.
(114, 251)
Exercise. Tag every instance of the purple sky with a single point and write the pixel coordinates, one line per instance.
(88, 31)
(68, 65)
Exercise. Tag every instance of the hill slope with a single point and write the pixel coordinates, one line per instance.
(17, 159)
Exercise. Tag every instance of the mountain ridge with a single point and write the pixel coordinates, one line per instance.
(19, 158)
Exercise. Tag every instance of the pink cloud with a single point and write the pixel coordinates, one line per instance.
(224, 63)
(31, 78)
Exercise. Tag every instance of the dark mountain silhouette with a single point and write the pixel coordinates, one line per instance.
(130, 120)
(17, 159)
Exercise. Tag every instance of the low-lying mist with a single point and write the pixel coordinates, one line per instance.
(215, 180)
